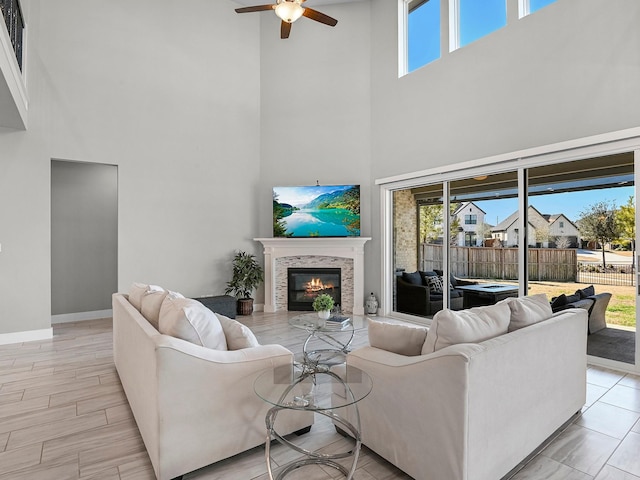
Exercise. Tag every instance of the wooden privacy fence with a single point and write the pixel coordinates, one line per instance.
(552, 264)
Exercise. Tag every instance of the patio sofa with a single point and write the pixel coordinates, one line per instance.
(476, 393)
(586, 298)
(414, 296)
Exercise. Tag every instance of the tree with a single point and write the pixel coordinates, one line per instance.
(599, 223)
(563, 242)
(626, 217)
(430, 222)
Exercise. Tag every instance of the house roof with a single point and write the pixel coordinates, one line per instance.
(511, 219)
(464, 205)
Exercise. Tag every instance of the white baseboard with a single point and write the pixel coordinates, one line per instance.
(28, 336)
(78, 317)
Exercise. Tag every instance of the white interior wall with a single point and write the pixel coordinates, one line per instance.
(169, 92)
(315, 108)
(192, 105)
(568, 71)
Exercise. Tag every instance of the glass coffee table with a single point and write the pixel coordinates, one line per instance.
(334, 335)
(323, 392)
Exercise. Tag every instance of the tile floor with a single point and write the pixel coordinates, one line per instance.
(63, 415)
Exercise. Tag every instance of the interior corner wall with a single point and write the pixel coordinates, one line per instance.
(170, 93)
(316, 107)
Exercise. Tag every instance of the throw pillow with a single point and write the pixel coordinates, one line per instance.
(237, 335)
(586, 292)
(435, 284)
(139, 290)
(190, 320)
(396, 338)
(474, 325)
(573, 298)
(151, 303)
(412, 278)
(528, 310)
(425, 276)
(558, 302)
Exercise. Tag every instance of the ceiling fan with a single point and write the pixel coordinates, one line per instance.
(289, 11)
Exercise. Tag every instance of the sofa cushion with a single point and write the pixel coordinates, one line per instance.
(189, 320)
(139, 290)
(238, 336)
(151, 303)
(573, 298)
(412, 278)
(528, 310)
(586, 292)
(467, 326)
(396, 338)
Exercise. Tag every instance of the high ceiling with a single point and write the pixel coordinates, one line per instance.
(308, 3)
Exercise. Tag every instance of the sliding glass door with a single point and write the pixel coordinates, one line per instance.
(562, 228)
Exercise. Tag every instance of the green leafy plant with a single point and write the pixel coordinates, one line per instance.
(247, 275)
(323, 302)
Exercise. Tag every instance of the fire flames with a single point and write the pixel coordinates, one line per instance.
(316, 285)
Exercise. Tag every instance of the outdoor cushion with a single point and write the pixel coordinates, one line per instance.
(426, 276)
(558, 302)
(586, 292)
(413, 278)
(435, 284)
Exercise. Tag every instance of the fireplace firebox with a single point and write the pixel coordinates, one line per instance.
(305, 284)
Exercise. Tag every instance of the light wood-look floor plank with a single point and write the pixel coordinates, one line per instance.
(64, 415)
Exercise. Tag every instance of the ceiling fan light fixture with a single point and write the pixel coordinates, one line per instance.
(289, 11)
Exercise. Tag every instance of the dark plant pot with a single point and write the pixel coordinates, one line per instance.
(245, 306)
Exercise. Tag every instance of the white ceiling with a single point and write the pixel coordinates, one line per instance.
(308, 3)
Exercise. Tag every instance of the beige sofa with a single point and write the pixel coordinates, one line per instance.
(193, 405)
(472, 411)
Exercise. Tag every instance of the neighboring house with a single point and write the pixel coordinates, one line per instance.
(543, 230)
(471, 220)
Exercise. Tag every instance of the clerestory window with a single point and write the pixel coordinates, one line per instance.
(423, 33)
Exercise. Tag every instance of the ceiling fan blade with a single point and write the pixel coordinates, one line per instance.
(285, 29)
(256, 8)
(319, 17)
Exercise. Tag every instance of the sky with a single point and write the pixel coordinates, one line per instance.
(571, 204)
(477, 19)
(299, 196)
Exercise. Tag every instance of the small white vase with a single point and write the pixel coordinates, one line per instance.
(324, 314)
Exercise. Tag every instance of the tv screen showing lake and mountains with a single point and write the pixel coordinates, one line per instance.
(316, 211)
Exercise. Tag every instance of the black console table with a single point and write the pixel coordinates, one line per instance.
(222, 304)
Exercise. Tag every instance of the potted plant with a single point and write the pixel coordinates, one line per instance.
(247, 275)
(323, 304)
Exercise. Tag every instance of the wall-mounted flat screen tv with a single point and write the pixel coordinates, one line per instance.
(316, 211)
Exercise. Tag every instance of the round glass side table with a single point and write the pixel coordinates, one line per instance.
(300, 387)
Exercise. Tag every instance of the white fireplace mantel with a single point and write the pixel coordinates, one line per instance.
(342, 247)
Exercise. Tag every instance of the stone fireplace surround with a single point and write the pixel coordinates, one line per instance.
(346, 253)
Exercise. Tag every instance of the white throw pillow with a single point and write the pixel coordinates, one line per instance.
(238, 335)
(528, 310)
(190, 320)
(466, 326)
(151, 302)
(396, 338)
